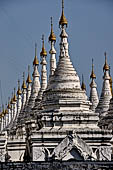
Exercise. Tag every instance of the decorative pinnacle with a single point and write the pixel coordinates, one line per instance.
(24, 84)
(3, 111)
(106, 67)
(62, 5)
(28, 78)
(43, 52)
(52, 36)
(63, 20)
(14, 98)
(83, 85)
(9, 106)
(35, 62)
(11, 99)
(110, 81)
(19, 91)
(35, 49)
(92, 73)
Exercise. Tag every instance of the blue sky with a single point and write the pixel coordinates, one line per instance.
(22, 23)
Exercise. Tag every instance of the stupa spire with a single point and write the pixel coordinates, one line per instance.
(24, 84)
(43, 52)
(3, 115)
(29, 81)
(63, 21)
(24, 92)
(43, 55)
(14, 97)
(14, 104)
(110, 81)
(106, 66)
(29, 78)
(35, 85)
(92, 76)
(52, 39)
(35, 62)
(93, 91)
(6, 116)
(19, 98)
(105, 97)
(9, 110)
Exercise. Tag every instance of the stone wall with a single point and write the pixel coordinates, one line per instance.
(72, 165)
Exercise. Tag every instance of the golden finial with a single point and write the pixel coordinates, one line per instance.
(43, 52)
(14, 97)
(19, 91)
(52, 36)
(106, 67)
(24, 84)
(11, 102)
(3, 110)
(29, 78)
(83, 85)
(35, 62)
(63, 20)
(92, 73)
(110, 81)
(9, 106)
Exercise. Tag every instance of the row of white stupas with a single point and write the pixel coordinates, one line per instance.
(54, 119)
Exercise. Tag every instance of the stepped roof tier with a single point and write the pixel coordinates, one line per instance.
(65, 83)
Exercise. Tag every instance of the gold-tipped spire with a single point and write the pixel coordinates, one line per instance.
(92, 76)
(106, 67)
(14, 97)
(19, 91)
(24, 84)
(3, 110)
(83, 84)
(11, 102)
(43, 52)
(9, 106)
(110, 81)
(63, 21)
(35, 62)
(29, 78)
(52, 36)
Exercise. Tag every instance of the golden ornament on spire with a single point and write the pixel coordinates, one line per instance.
(110, 81)
(63, 20)
(3, 110)
(35, 62)
(9, 106)
(106, 67)
(19, 91)
(14, 98)
(29, 78)
(92, 73)
(83, 87)
(52, 36)
(0, 114)
(43, 52)
(24, 84)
